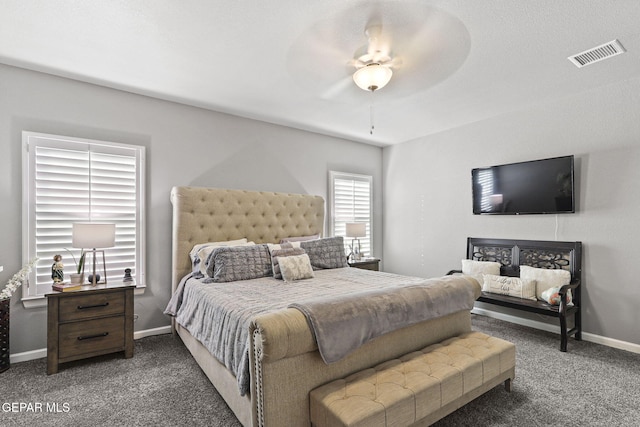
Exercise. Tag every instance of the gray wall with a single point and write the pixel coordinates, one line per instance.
(185, 146)
(427, 190)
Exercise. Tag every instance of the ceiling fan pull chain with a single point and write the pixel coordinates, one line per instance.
(371, 115)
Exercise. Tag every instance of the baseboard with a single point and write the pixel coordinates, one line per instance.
(28, 355)
(597, 339)
(42, 352)
(150, 332)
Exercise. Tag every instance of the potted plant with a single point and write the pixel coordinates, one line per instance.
(77, 277)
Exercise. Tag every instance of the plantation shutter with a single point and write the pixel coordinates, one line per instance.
(351, 202)
(71, 180)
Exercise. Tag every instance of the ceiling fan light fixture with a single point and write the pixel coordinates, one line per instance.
(372, 76)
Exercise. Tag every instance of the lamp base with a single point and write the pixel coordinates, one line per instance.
(94, 276)
(356, 255)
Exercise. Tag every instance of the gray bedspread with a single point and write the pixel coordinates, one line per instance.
(219, 314)
(342, 324)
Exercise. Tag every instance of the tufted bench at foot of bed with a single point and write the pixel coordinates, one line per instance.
(418, 388)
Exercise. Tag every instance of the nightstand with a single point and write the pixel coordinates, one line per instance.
(89, 322)
(366, 264)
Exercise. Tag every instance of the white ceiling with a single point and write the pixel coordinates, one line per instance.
(287, 61)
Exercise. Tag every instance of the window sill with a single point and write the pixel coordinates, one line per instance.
(34, 302)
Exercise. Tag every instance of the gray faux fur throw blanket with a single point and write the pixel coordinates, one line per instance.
(342, 324)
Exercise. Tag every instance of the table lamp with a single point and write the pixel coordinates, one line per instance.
(355, 230)
(93, 235)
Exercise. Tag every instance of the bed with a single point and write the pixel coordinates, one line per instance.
(284, 363)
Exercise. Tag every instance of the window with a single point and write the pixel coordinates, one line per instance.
(350, 200)
(67, 180)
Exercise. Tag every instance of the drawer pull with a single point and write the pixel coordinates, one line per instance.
(88, 337)
(82, 307)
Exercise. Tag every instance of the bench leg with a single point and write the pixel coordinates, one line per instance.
(507, 385)
(578, 320)
(563, 333)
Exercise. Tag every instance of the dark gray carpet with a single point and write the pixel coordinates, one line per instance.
(591, 385)
(160, 386)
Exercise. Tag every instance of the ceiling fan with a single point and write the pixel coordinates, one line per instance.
(374, 62)
(412, 45)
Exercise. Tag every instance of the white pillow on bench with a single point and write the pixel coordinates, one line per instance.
(545, 278)
(512, 286)
(476, 269)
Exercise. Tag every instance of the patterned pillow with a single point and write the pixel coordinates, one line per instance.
(231, 263)
(325, 253)
(280, 251)
(512, 286)
(296, 267)
(552, 296)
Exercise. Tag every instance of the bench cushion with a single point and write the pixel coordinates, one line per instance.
(401, 391)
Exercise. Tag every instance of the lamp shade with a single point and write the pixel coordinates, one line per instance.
(372, 76)
(356, 229)
(92, 235)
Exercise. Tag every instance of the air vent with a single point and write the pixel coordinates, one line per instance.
(597, 54)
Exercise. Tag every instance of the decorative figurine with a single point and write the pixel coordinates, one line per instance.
(57, 272)
(127, 275)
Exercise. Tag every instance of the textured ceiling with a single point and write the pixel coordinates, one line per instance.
(290, 62)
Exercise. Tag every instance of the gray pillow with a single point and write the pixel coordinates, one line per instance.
(231, 263)
(325, 253)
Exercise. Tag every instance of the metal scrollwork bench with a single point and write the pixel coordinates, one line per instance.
(511, 254)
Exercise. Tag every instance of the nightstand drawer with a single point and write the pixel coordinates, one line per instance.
(91, 305)
(91, 336)
(367, 264)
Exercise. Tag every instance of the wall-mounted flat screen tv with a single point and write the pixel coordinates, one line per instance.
(536, 187)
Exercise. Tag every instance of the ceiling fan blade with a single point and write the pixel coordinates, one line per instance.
(380, 45)
(338, 88)
(316, 64)
(395, 63)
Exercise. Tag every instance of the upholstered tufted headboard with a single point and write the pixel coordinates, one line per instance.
(211, 215)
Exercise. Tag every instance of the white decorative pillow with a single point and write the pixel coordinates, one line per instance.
(512, 286)
(300, 238)
(476, 269)
(283, 245)
(296, 267)
(199, 246)
(545, 278)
